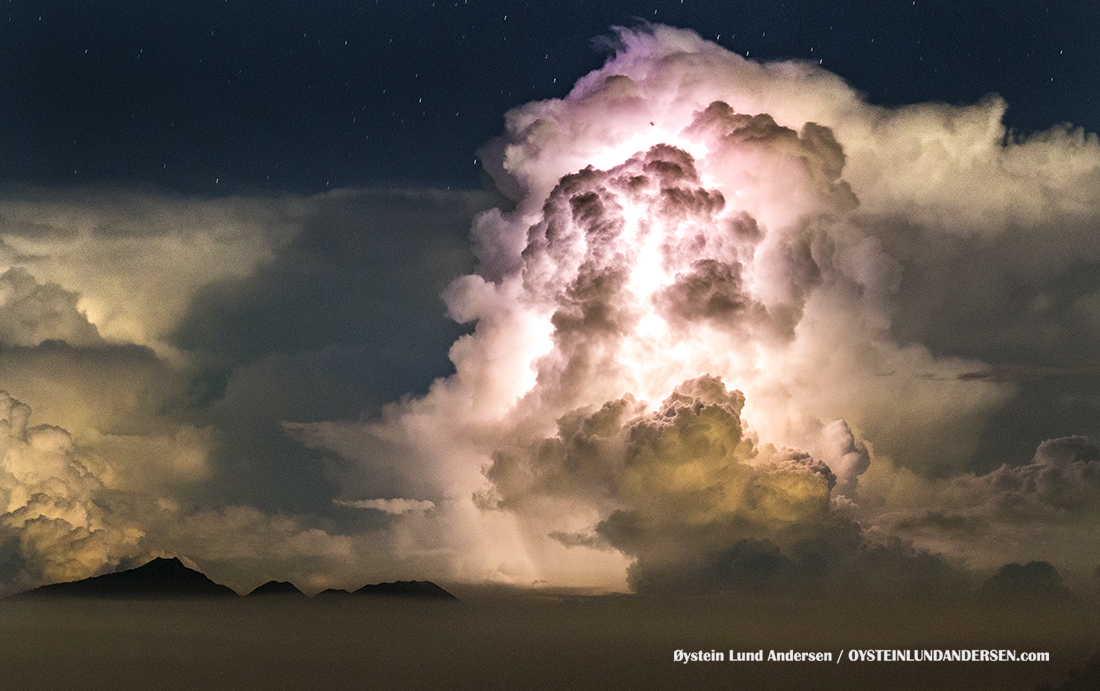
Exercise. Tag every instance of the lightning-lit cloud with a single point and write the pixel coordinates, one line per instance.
(792, 271)
(52, 528)
(734, 327)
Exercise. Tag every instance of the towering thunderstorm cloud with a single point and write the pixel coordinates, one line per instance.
(738, 329)
(705, 342)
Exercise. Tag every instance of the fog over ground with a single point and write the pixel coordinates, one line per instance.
(725, 326)
(502, 642)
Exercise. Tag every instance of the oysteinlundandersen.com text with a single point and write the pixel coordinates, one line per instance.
(861, 655)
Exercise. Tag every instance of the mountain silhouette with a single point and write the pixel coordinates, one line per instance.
(1034, 581)
(277, 589)
(171, 579)
(419, 590)
(159, 578)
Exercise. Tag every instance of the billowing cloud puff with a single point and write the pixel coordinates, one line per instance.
(52, 526)
(1045, 508)
(135, 259)
(681, 482)
(31, 313)
(1062, 482)
(845, 454)
(697, 505)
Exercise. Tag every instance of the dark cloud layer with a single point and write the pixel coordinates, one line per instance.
(344, 318)
(337, 283)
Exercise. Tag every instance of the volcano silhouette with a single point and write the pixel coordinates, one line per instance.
(159, 578)
(419, 590)
(277, 589)
(333, 593)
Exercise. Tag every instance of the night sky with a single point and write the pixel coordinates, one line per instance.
(333, 291)
(218, 98)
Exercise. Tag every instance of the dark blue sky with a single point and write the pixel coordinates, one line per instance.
(226, 96)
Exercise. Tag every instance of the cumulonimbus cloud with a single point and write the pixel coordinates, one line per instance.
(690, 222)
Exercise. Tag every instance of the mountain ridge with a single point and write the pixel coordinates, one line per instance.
(170, 578)
(158, 578)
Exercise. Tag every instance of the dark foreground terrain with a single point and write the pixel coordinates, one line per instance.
(512, 641)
